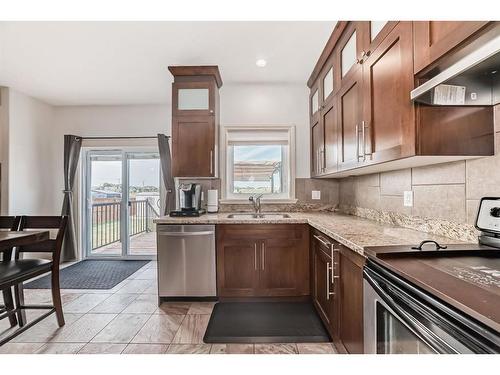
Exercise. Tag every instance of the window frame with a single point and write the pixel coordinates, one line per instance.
(227, 196)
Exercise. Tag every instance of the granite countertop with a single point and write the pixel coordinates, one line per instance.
(354, 232)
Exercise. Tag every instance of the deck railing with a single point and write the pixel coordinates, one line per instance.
(106, 221)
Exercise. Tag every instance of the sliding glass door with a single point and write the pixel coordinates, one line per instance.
(143, 199)
(122, 191)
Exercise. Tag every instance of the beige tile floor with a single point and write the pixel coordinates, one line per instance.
(127, 320)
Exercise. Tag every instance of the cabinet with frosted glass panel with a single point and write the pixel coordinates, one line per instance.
(371, 114)
(195, 120)
(323, 121)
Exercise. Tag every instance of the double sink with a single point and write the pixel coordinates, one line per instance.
(258, 216)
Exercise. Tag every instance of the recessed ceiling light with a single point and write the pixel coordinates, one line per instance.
(261, 63)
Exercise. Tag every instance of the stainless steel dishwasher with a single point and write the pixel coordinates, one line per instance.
(186, 261)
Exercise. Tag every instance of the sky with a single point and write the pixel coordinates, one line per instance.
(142, 172)
(257, 153)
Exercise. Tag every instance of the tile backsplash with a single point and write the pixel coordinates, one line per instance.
(445, 196)
(329, 196)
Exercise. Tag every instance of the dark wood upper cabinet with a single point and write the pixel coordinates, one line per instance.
(317, 131)
(388, 125)
(349, 50)
(317, 147)
(372, 34)
(349, 104)
(329, 119)
(194, 98)
(433, 39)
(195, 120)
(263, 260)
(364, 116)
(193, 146)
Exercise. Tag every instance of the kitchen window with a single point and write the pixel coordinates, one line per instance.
(258, 160)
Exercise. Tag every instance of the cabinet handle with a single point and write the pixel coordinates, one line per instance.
(320, 239)
(322, 159)
(255, 256)
(357, 142)
(364, 140)
(211, 162)
(317, 161)
(263, 261)
(328, 293)
(333, 249)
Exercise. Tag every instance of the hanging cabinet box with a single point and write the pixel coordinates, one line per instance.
(362, 118)
(195, 120)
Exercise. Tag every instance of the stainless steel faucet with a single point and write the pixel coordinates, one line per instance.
(256, 202)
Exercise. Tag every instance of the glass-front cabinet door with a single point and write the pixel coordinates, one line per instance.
(193, 98)
(328, 80)
(375, 28)
(348, 54)
(314, 102)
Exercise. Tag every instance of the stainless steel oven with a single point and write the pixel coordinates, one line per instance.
(402, 319)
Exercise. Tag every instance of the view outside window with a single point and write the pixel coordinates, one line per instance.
(257, 169)
(141, 173)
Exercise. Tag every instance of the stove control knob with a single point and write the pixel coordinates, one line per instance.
(495, 212)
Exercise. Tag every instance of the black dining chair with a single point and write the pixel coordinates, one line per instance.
(18, 270)
(8, 223)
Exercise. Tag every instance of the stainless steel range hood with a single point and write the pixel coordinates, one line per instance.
(474, 80)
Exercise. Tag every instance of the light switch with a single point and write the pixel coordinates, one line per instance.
(315, 194)
(408, 199)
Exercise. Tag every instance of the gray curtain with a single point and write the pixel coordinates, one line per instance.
(166, 168)
(72, 147)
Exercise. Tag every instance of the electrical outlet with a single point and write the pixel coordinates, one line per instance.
(315, 194)
(408, 199)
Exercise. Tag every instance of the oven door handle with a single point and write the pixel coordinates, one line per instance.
(416, 327)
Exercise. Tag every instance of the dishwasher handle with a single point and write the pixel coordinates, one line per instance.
(185, 234)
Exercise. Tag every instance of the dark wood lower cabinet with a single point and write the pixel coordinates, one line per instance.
(281, 260)
(260, 260)
(237, 269)
(337, 291)
(324, 287)
(351, 300)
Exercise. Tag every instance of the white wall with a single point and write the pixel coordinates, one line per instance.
(4, 150)
(239, 104)
(37, 129)
(30, 155)
(270, 104)
(106, 121)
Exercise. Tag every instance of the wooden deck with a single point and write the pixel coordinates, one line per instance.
(140, 244)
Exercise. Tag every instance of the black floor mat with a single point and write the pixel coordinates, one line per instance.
(91, 274)
(265, 322)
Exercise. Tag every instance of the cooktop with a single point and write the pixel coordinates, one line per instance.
(464, 276)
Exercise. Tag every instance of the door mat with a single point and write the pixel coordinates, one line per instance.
(91, 274)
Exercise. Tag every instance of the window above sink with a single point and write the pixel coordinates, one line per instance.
(258, 160)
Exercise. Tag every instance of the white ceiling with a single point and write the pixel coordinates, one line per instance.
(85, 63)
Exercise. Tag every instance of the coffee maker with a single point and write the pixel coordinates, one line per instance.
(189, 202)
